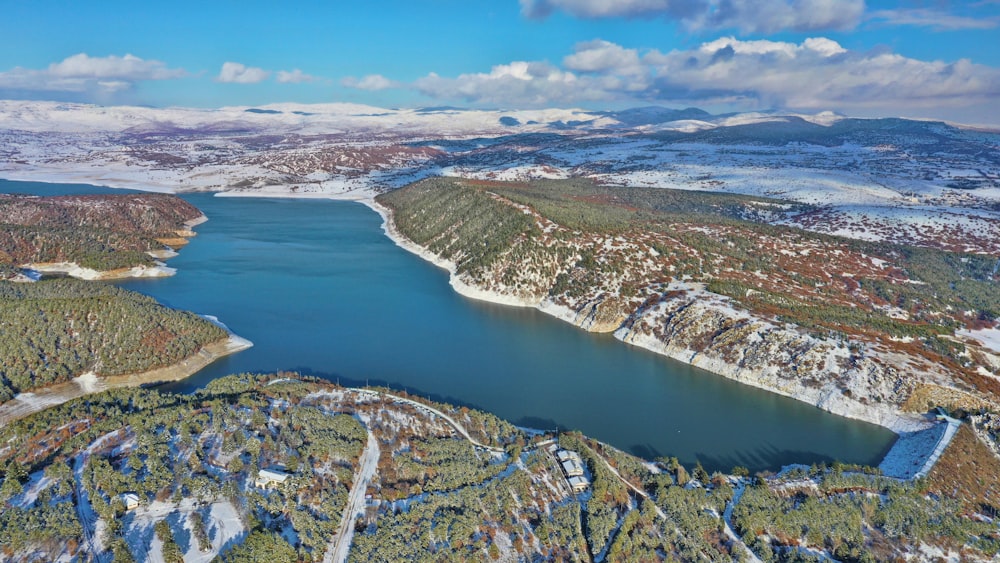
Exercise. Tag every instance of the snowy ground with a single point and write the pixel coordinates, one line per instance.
(989, 338)
(225, 528)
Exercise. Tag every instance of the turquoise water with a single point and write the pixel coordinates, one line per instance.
(319, 289)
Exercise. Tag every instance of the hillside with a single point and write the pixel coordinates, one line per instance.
(108, 235)
(54, 331)
(893, 180)
(863, 329)
(370, 475)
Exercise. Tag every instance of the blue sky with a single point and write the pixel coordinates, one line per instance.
(927, 59)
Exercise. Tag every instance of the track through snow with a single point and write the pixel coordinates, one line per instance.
(338, 549)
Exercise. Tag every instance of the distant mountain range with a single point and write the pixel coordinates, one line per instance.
(920, 182)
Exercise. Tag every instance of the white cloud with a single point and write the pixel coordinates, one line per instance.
(128, 67)
(241, 74)
(771, 16)
(372, 82)
(749, 16)
(519, 83)
(933, 19)
(816, 74)
(83, 73)
(295, 76)
(596, 56)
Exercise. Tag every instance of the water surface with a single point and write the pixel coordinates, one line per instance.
(319, 289)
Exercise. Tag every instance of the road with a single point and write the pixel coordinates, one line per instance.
(427, 408)
(727, 518)
(625, 481)
(337, 551)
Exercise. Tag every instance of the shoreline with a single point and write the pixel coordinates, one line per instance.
(31, 402)
(896, 421)
(74, 270)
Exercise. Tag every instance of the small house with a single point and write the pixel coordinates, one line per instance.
(129, 500)
(270, 478)
(578, 484)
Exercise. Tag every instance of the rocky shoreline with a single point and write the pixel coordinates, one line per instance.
(768, 377)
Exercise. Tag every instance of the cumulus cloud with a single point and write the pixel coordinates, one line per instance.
(295, 76)
(816, 74)
(241, 74)
(372, 82)
(83, 73)
(748, 16)
(519, 83)
(128, 67)
(599, 55)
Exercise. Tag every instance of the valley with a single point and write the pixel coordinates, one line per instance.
(848, 264)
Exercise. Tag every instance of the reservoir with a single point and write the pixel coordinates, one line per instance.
(319, 289)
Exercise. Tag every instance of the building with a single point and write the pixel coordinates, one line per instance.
(572, 468)
(129, 500)
(578, 484)
(567, 455)
(270, 478)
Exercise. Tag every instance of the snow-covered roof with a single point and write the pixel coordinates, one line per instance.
(272, 475)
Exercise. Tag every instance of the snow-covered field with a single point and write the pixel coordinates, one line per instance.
(222, 521)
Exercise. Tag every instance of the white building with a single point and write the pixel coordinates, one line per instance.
(129, 500)
(270, 478)
(572, 468)
(578, 484)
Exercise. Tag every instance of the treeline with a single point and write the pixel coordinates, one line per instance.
(458, 223)
(55, 330)
(579, 203)
(98, 249)
(152, 214)
(857, 517)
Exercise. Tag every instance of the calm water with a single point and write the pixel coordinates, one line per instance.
(319, 289)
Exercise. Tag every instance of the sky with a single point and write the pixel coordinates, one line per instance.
(924, 58)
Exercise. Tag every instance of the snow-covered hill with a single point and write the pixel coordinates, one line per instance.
(924, 182)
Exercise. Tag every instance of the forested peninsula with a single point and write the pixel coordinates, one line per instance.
(57, 331)
(53, 331)
(93, 236)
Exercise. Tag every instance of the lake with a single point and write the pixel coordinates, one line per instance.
(319, 289)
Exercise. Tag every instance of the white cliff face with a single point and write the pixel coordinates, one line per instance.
(705, 330)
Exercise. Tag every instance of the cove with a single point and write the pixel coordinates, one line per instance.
(319, 289)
